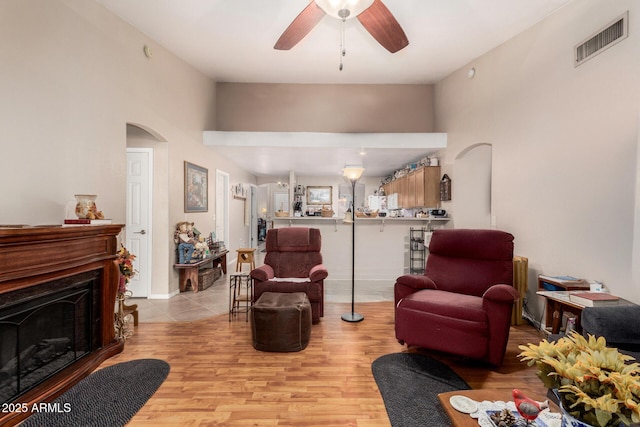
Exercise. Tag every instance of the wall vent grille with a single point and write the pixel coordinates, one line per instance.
(613, 33)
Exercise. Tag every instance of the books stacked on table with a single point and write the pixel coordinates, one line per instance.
(69, 222)
(561, 283)
(593, 299)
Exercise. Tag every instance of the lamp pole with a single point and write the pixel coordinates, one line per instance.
(353, 174)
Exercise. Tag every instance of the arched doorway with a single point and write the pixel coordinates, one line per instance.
(147, 211)
(472, 187)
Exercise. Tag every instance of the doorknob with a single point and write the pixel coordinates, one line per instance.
(140, 232)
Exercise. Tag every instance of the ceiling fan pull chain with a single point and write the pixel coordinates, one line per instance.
(343, 49)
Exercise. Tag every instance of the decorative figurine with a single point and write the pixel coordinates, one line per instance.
(528, 408)
(184, 238)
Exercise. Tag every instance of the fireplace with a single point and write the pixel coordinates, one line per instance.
(43, 330)
(56, 310)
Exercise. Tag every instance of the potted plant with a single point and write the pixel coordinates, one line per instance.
(596, 384)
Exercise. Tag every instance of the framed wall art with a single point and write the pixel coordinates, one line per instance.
(318, 195)
(196, 188)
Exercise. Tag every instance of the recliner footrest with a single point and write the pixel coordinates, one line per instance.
(281, 322)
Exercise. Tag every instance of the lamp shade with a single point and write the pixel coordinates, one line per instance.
(354, 7)
(353, 173)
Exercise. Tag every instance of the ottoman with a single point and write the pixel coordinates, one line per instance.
(281, 322)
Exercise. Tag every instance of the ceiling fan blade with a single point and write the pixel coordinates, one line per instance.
(382, 25)
(300, 27)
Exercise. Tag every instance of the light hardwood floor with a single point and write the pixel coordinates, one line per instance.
(217, 378)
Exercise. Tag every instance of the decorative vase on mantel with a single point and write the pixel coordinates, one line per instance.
(85, 203)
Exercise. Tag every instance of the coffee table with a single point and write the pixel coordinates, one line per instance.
(459, 419)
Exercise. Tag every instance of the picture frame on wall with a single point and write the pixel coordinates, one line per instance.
(196, 188)
(318, 195)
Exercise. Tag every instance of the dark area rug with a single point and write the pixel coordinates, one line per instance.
(109, 397)
(410, 384)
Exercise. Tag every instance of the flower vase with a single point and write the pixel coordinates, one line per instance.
(122, 285)
(569, 421)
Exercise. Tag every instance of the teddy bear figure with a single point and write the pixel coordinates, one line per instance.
(185, 240)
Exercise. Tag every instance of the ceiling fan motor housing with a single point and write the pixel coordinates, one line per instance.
(343, 9)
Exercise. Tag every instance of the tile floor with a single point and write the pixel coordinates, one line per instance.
(190, 306)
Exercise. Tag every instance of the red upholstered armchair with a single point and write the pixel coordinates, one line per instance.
(462, 304)
(293, 263)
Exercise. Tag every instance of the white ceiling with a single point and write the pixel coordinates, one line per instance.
(232, 41)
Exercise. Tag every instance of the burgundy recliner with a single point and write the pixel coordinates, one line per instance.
(293, 263)
(462, 304)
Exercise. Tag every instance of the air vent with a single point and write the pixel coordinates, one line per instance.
(613, 33)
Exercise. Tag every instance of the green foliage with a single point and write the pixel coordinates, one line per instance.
(597, 384)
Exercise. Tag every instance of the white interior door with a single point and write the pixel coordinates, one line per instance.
(138, 231)
(253, 216)
(222, 207)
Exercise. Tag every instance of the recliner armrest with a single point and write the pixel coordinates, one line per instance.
(318, 272)
(416, 282)
(410, 283)
(263, 273)
(501, 294)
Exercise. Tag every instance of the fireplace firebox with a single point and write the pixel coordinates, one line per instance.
(56, 310)
(42, 335)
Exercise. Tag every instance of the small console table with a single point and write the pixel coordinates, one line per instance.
(189, 272)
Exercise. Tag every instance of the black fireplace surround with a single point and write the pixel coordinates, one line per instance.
(43, 329)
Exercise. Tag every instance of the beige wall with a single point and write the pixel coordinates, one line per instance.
(324, 108)
(564, 142)
(73, 76)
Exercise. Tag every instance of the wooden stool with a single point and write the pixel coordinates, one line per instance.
(245, 256)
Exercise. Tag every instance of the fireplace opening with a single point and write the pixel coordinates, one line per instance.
(44, 329)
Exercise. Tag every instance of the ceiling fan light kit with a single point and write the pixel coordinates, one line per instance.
(344, 9)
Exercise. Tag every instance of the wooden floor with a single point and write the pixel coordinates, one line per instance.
(217, 378)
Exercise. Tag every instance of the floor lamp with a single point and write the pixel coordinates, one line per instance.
(353, 174)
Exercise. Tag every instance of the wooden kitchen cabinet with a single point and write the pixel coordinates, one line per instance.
(431, 189)
(389, 188)
(418, 189)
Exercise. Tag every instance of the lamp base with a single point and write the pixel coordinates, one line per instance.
(352, 317)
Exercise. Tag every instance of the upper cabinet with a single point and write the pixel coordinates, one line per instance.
(420, 188)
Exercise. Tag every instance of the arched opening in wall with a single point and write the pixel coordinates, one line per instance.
(472, 187)
(147, 209)
(636, 219)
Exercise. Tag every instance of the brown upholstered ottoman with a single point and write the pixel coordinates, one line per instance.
(281, 322)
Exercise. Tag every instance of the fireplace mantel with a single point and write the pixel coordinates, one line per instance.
(33, 256)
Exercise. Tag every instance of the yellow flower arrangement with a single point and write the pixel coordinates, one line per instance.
(596, 383)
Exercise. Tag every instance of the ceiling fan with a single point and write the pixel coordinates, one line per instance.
(372, 14)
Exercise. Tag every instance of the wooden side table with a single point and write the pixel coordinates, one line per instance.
(240, 292)
(557, 302)
(189, 272)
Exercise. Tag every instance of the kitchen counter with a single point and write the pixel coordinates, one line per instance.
(381, 244)
(292, 219)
